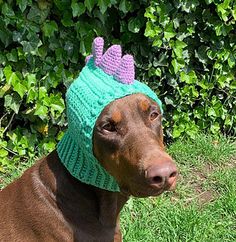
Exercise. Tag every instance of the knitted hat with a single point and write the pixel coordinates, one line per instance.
(104, 78)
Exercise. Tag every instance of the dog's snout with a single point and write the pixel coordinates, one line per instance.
(162, 175)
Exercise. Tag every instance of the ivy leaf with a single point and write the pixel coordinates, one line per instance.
(36, 15)
(231, 60)
(20, 89)
(4, 89)
(134, 25)
(125, 6)
(11, 77)
(57, 103)
(89, 4)
(169, 31)
(103, 5)
(67, 19)
(7, 10)
(211, 112)
(201, 54)
(177, 65)
(12, 102)
(22, 4)
(41, 111)
(31, 80)
(3, 153)
(49, 28)
(5, 34)
(62, 4)
(12, 56)
(77, 8)
(32, 45)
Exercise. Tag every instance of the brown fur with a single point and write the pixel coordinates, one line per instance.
(48, 204)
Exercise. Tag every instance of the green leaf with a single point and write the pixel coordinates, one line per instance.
(41, 111)
(231, 60)
(176, 132)
(31, 80)
(157, 42)
(12, 56)
(215, 128)
(7, 10)
(49, 28)
(152, 30)
(20, 89)
(37, 15)
(77, 8)
(176, 65)
(169, 101)
(180, 44)
(201, 53)
(12, 102)
(57, 103)
(4, 89)
(62, 4)
(3, 153)
(211, 112)
(5, 34)
(89, 4)
(103, 5)
(169, 31)
(32, 45)
(7, 72)
(22, 4)
(67, 19)
(134, 25)
(11, 77)
(233, 11)
(124, 6)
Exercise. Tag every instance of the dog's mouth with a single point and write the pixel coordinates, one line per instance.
(141, 192)
(144, 191)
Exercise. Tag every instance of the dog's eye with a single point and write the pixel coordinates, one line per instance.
(109, 127)
(153, 115)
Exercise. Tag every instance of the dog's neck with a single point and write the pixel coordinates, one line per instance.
(68, 191)
(110, 205)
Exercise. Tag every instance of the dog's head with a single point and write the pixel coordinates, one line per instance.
(128, 142)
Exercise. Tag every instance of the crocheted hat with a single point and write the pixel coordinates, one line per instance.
(104, 78)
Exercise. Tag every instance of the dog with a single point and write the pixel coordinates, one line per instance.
(48, 204)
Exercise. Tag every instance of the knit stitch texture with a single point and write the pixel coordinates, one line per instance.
(105, 78)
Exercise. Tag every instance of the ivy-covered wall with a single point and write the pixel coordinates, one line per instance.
(185, 50)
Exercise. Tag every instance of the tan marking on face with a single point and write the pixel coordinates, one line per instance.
(144, 105)
(116, 116)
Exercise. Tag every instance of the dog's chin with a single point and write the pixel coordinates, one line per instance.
(147, 193)
(142, 193)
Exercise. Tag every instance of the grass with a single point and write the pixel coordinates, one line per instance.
(201, 209)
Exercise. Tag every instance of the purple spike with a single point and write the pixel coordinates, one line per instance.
(97, 50)
(111, 59)
(125, 72)
(88, 58)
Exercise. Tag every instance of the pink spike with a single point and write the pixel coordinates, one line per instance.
(97, 50)
(125, 72)
(88, 58)
(111, 59)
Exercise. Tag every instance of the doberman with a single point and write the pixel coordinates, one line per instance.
(47, 204)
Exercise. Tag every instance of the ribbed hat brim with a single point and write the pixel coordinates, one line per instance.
(83, 165)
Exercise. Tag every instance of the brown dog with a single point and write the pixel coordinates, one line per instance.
(48, 204)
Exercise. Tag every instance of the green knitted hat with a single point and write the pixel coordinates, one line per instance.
(105, 78)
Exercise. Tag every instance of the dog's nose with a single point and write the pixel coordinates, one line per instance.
(163, 175)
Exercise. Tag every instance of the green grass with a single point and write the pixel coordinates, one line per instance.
(201, 209)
